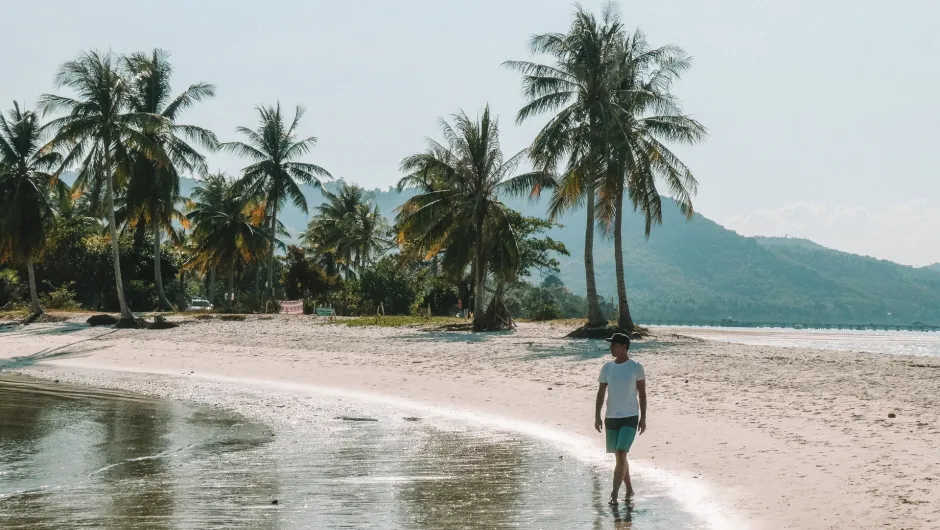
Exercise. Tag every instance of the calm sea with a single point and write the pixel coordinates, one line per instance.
(888, 342)
(71, 457)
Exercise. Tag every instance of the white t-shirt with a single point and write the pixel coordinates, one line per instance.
(621, 387)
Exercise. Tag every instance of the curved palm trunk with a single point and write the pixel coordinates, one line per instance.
(115, 247)
(479, 310)
(158, 276)
(624, 319)
(595, 317)
(271, 257)
(34, 307)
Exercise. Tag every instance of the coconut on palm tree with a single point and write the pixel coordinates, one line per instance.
(275, 172)
(578, 88)
(98, 132)
(458, 207)
(646, 117)
(153, 190)
(26, 198)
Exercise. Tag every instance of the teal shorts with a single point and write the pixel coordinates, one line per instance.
(620, 433)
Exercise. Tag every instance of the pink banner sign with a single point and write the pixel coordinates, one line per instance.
(292, 307)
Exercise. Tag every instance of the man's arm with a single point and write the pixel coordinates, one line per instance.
(598, 405)
(641, 390)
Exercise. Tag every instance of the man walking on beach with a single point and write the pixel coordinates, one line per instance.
(624, 381)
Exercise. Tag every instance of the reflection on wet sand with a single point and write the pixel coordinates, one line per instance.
(70, 457)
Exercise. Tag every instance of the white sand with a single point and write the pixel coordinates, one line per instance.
(784, 438)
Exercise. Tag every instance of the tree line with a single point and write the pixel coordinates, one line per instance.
(611, 119)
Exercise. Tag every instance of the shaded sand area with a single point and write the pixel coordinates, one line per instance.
(771, 437)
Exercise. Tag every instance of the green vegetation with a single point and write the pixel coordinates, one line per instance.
(145, 227)
(406, 322)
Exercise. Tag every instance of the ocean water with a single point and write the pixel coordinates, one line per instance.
(71, 457)
(925, 343)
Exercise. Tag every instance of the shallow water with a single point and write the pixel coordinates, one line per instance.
(925, 343)
(72, 457)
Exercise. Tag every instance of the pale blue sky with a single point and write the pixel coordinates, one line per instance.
(823, 115)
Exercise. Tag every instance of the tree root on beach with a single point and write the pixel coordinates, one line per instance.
(497, 317)
(130, 323)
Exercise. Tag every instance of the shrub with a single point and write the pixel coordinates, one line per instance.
(62, 298)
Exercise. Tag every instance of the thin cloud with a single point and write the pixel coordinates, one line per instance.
(905, 232)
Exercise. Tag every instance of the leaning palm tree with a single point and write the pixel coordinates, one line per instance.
(98, 133)
(26, 199)
(578, 88)
(153, 190)
(645, 118)
(459, 202)
(225, 229)
(275, 172)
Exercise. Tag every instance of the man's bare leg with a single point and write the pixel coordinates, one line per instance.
(618, 474)
(626, 478)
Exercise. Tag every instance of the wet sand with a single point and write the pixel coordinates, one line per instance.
(751, 436)
(160, 463)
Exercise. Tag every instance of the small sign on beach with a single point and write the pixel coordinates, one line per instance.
(292, 307)
(324, 312)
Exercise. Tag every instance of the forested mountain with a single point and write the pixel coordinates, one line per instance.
(698, 270)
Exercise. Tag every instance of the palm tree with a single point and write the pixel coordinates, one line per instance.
(275, 173)
(459, 203)
(646, 116)
(348, 232)
(579, 88)
(153, 190)
(226, 228)
(98, 134)
(26, 199)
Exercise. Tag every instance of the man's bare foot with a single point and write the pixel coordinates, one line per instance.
(630, 494)
(613, 499)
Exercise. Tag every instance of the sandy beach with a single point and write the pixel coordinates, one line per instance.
(777, 437)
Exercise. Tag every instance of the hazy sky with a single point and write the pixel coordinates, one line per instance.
(823, 116)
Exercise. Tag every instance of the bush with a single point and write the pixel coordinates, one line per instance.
(11, 289)
(539, 304)
(62, 298)
(442, 296)
(389, 285)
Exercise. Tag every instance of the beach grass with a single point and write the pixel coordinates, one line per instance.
(405, 321)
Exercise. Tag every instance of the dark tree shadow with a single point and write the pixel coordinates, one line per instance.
(581, 350)
(66, 350)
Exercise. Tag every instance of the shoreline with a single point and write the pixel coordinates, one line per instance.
(760, 454)
(694, 497)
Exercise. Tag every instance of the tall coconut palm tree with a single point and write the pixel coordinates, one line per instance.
(460, 183)
(646, 117)
(226, 227)
(275, 172)
(153, 190)
(98, 134)
(578, 88)
(26, 199)
(348, 232)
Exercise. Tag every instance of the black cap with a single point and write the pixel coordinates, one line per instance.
(619, 338)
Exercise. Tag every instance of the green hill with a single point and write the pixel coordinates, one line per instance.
(698, 270)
